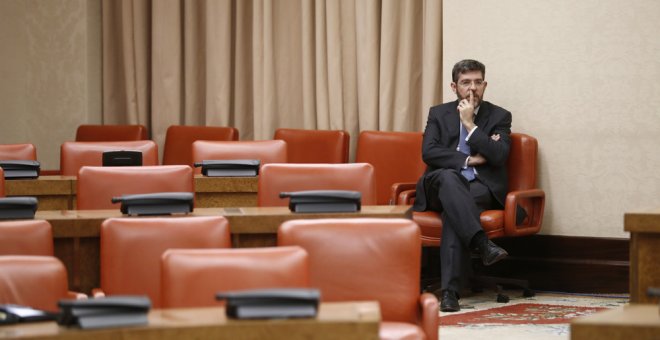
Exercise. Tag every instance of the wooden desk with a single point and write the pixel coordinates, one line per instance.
(53, 192)
(76, 232)
(337, 320)
(59, 192)
(644, 228)
(635, 321)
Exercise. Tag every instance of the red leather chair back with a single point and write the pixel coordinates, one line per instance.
(131, 249)
(34, 281)
(267, 151)
(27, 237)
(97, 185)
(75, 155)
(18, 152)
(2, 183)
(358, 259)
(315, 146)
(522, 162)
(179, 140)
(276, 178)
(396, 157)
(191, 278)
(110, 133)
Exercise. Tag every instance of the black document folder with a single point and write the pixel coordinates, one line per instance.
(230, 168)
(111, 311)
(314, 201)
(122, 158)
(162, 203)
(18, 207)
(271, 303)
(17, 169)
(10, 314)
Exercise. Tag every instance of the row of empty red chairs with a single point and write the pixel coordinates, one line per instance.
(303, 146)
(183, 261)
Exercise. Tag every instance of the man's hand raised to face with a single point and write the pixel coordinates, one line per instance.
(466, 111)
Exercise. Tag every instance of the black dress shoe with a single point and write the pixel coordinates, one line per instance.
(491, 253)
(449, 301)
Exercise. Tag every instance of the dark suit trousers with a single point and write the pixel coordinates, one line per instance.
(460, 203)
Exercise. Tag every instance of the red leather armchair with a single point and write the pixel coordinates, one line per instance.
(18, 152)
(131, 249)
(97, 185)
(110, 133)
(75, 155)
(34, 281)
(523, 192)
(276, 178)
(192, 277)
(369, 259)
(180, 138)
(315, 146)
(26, 237)
(400, 163)
(267, 151)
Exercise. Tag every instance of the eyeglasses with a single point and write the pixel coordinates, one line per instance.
(468, 83)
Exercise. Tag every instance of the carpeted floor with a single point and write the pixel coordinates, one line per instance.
(543, 316)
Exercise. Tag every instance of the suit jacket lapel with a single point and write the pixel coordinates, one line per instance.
(452, 123)
(484, 114)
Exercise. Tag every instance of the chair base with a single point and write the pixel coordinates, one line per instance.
(430, 278)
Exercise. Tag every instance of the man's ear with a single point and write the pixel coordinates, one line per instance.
(453, 87)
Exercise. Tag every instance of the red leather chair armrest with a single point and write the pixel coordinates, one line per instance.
(396, 190)
(533, 201)
(407, 197)
(430, 319)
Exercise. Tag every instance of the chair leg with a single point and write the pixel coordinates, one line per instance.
(498, 283)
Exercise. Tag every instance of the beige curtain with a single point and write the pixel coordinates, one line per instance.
(259, 65)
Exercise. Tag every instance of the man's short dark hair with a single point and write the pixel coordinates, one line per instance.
(467, 65)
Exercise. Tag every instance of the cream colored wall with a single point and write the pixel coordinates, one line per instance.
(584, 78)
(50, 72)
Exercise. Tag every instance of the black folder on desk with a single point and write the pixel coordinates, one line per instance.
(111, 311)
(16, 169)
(10, 314)
(18, 207)
(230, 168)
(315, 201)
(162, 203)
(271, 303)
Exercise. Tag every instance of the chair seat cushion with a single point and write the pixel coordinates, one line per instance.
(400, 330)
(430, 224)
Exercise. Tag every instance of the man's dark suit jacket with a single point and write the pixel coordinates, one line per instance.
(441, 139)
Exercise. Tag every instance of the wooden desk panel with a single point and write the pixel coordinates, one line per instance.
(77, 232)
(644, 228)
(53, 192)
(635, 321)
(59, 192)
(336, 320)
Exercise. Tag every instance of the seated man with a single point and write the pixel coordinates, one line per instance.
(466, 146)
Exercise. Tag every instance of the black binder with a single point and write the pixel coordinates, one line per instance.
(111, 311)
(10, 314)
(230, 168)
(161, 203)
(15, 169)
(271, 303)
(122, 158)
(314, 201)
(18, 207)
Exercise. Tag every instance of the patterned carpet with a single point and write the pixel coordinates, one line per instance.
(544, 316)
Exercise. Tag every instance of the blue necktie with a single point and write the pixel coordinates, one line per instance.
(463, 147)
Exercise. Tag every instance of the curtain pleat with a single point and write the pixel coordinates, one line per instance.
(259, 65)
